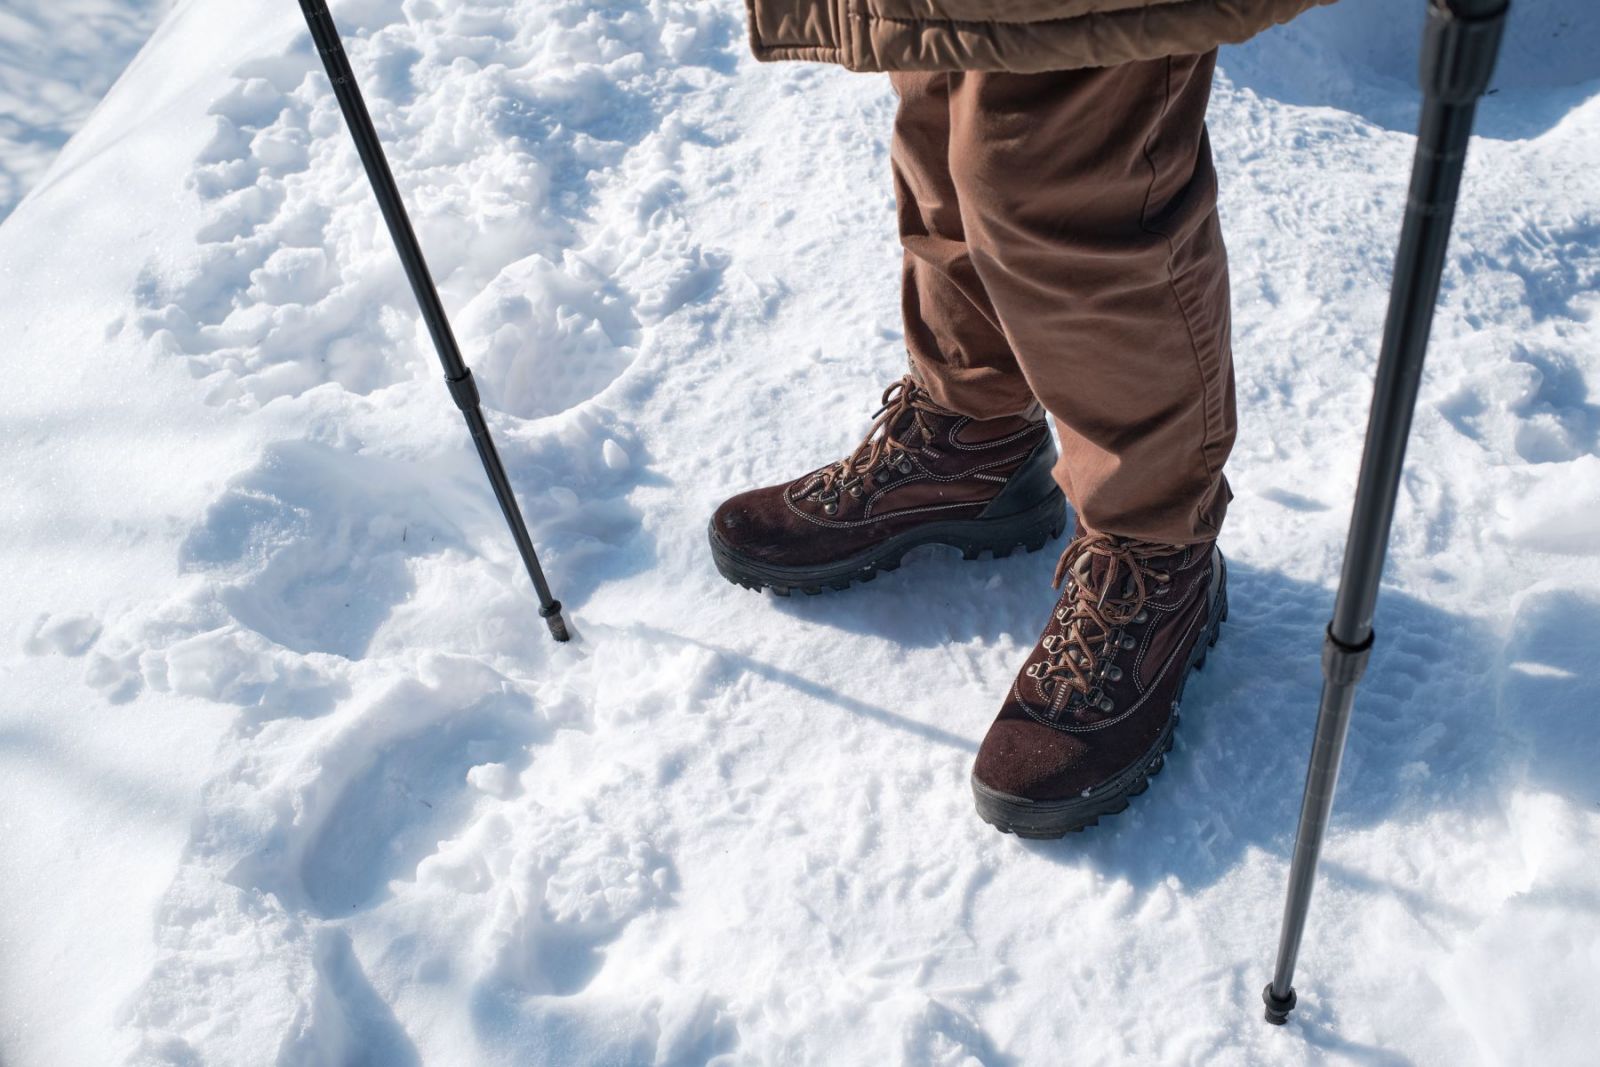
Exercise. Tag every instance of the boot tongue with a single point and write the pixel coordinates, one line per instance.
(935, 417)
(1096, 574)
(906, 429)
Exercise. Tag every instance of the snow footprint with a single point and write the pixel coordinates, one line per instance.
(63, 634)
(1548, 689)
(507, 163)
(939, 1036)
(318, 559)
(311, 820)
(393, 782)
(282, 292)
(313, 547)
(560, 875)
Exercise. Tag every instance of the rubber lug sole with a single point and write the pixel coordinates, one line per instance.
(999, 537)
(1047, 820)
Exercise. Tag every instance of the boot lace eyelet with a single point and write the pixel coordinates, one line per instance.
(1108, 582)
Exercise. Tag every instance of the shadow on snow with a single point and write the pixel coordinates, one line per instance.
(1361, 56)
(1451, 715)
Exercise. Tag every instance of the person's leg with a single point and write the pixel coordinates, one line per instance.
(961, 453)
(1087, 204)
(957, 349)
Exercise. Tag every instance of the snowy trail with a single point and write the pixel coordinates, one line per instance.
(300, 780)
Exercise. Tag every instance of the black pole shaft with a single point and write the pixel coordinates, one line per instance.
(456, 373)
(1460, 42)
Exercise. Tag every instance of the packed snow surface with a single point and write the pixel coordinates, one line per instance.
(290, 773)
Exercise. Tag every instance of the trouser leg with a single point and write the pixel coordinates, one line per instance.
(953, 335)
(1084, 236)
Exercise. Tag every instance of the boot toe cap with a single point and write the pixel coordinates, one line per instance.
(1024, 758)
(752, 524)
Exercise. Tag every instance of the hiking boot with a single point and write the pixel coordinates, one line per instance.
(1090, 717)
(923, 475)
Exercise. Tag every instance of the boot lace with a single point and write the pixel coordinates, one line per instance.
(1092, 619)
(905, 408)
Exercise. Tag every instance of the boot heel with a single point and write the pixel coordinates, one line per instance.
(1220, 613)
(1031, 530)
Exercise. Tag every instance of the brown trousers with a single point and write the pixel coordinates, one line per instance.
(1062, 245)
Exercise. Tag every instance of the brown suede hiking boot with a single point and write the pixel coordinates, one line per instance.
(923, 475)
(1090, 717)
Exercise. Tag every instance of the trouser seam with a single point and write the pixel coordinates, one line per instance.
(1183, 308)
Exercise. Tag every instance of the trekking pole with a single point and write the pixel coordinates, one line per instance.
(456, 373)
(1459, 45)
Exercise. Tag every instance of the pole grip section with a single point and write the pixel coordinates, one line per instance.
(1460, 43)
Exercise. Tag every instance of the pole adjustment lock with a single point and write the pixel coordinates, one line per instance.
(1344, 664)
(464, 391)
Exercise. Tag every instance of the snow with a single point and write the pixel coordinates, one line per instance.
(291, 774)
(57, 59)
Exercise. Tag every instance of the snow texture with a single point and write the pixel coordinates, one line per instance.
(291, 775)
(57, 59)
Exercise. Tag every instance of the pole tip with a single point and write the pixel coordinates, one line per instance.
(1278, 1009)
(551, 613)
